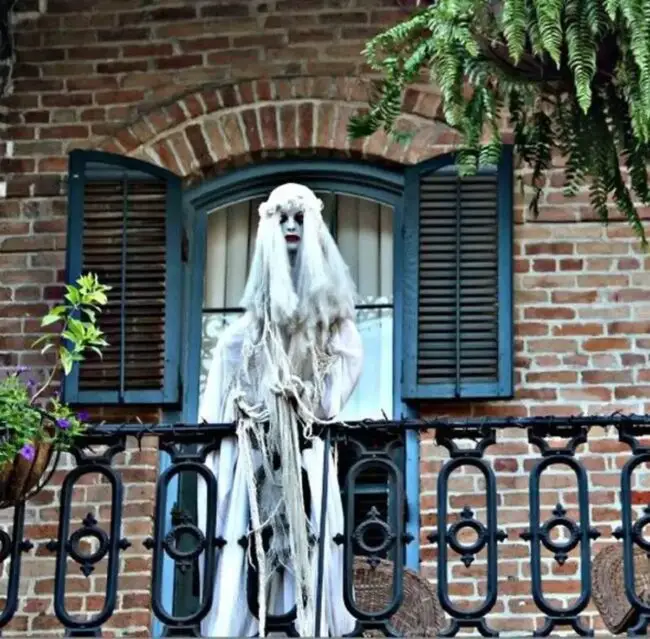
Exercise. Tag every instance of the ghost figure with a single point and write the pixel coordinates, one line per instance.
(291, 361)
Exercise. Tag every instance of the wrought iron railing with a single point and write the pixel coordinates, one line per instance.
(371, 458)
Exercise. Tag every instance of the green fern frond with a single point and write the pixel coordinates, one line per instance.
(514, 26)
(549, 19)
(594, 109)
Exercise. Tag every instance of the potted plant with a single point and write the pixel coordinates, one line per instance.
(34, 422)
(571, 76)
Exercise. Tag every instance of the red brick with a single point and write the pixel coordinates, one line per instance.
(268, 124)
(222, 10)
(148, 50)
(571, 265)
(122, 67)
(233, 134)
(204, 44)
(305, 125)
(550, 313)
(552, 377)
(628, 328)
(68, 131)
(578, 329)
(599, 344)
(119, 97)
(91, 83)
(21, 133)
(179, 62)
(628, 392)
(249, 119)
(586, 393)
(630, 295)
(67, 100)
(48, 165)
(32, 117)
(11, 165)
(550, 248)
(552, 346)
(233, 57)
(527, 329)
(93, 53)
(123, 35)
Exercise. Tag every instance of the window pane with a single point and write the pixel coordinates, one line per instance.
(374, 391)
(364, 232)
(212, 326)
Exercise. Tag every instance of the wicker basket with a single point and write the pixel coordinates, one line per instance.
(22, 479)
(609, 586)
(420, 614)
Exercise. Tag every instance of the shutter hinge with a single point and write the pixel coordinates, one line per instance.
(185, 247)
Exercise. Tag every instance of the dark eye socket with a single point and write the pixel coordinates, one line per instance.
(299, 218)
(283, 218)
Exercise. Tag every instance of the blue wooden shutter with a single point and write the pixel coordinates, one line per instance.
(124, 224)
(458, 282)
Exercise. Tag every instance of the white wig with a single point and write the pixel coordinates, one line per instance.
(321, 291)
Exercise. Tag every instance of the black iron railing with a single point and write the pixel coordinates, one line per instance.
(371, 459)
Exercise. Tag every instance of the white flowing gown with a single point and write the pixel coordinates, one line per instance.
(230, 615)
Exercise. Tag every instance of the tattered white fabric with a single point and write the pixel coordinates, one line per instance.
(292, 360)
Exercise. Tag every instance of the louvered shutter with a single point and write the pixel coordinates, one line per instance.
(458, 282)
(124, 224)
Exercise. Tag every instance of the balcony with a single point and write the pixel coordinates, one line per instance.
(469, 534)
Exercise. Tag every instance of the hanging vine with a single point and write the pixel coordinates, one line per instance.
(572, 76)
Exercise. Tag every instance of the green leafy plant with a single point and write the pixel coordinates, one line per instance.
(27, 418)
(572, 77)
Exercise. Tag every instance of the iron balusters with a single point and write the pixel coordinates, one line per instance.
(370, 458)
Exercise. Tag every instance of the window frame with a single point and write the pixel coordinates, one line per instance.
(348, 177)
(361, 179)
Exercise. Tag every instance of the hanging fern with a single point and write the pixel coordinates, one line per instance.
(572, 75)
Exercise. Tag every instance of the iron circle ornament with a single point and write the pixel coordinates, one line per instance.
(89, 530)
(374, 523)
(560, 548)
(467, 548)
(170, 543)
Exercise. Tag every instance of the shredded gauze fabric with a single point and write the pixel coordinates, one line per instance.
(281, 382)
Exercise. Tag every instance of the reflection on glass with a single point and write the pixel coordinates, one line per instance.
(373, 396)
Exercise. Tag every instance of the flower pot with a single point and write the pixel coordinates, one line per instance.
(22, 479)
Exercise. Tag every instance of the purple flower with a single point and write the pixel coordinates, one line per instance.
(31, 385)
(83, 416)
(28, 452)
(63, 423)
(21, 369)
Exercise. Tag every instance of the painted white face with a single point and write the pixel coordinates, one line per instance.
(291, 225)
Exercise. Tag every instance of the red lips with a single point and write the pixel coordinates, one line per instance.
(292, 238)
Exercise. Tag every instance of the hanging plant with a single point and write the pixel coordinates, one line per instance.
(572, 77)
(32, 430)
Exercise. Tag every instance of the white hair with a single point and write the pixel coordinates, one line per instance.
(320, 292)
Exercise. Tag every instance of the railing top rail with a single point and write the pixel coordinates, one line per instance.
(423, 424)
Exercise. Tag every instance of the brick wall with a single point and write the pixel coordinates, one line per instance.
(203, 86)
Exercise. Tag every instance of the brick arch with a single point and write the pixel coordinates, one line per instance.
(215, 128)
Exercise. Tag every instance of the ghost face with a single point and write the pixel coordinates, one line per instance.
(291, 223)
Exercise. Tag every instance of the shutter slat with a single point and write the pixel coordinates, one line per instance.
(458, 278)
(144, 294)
